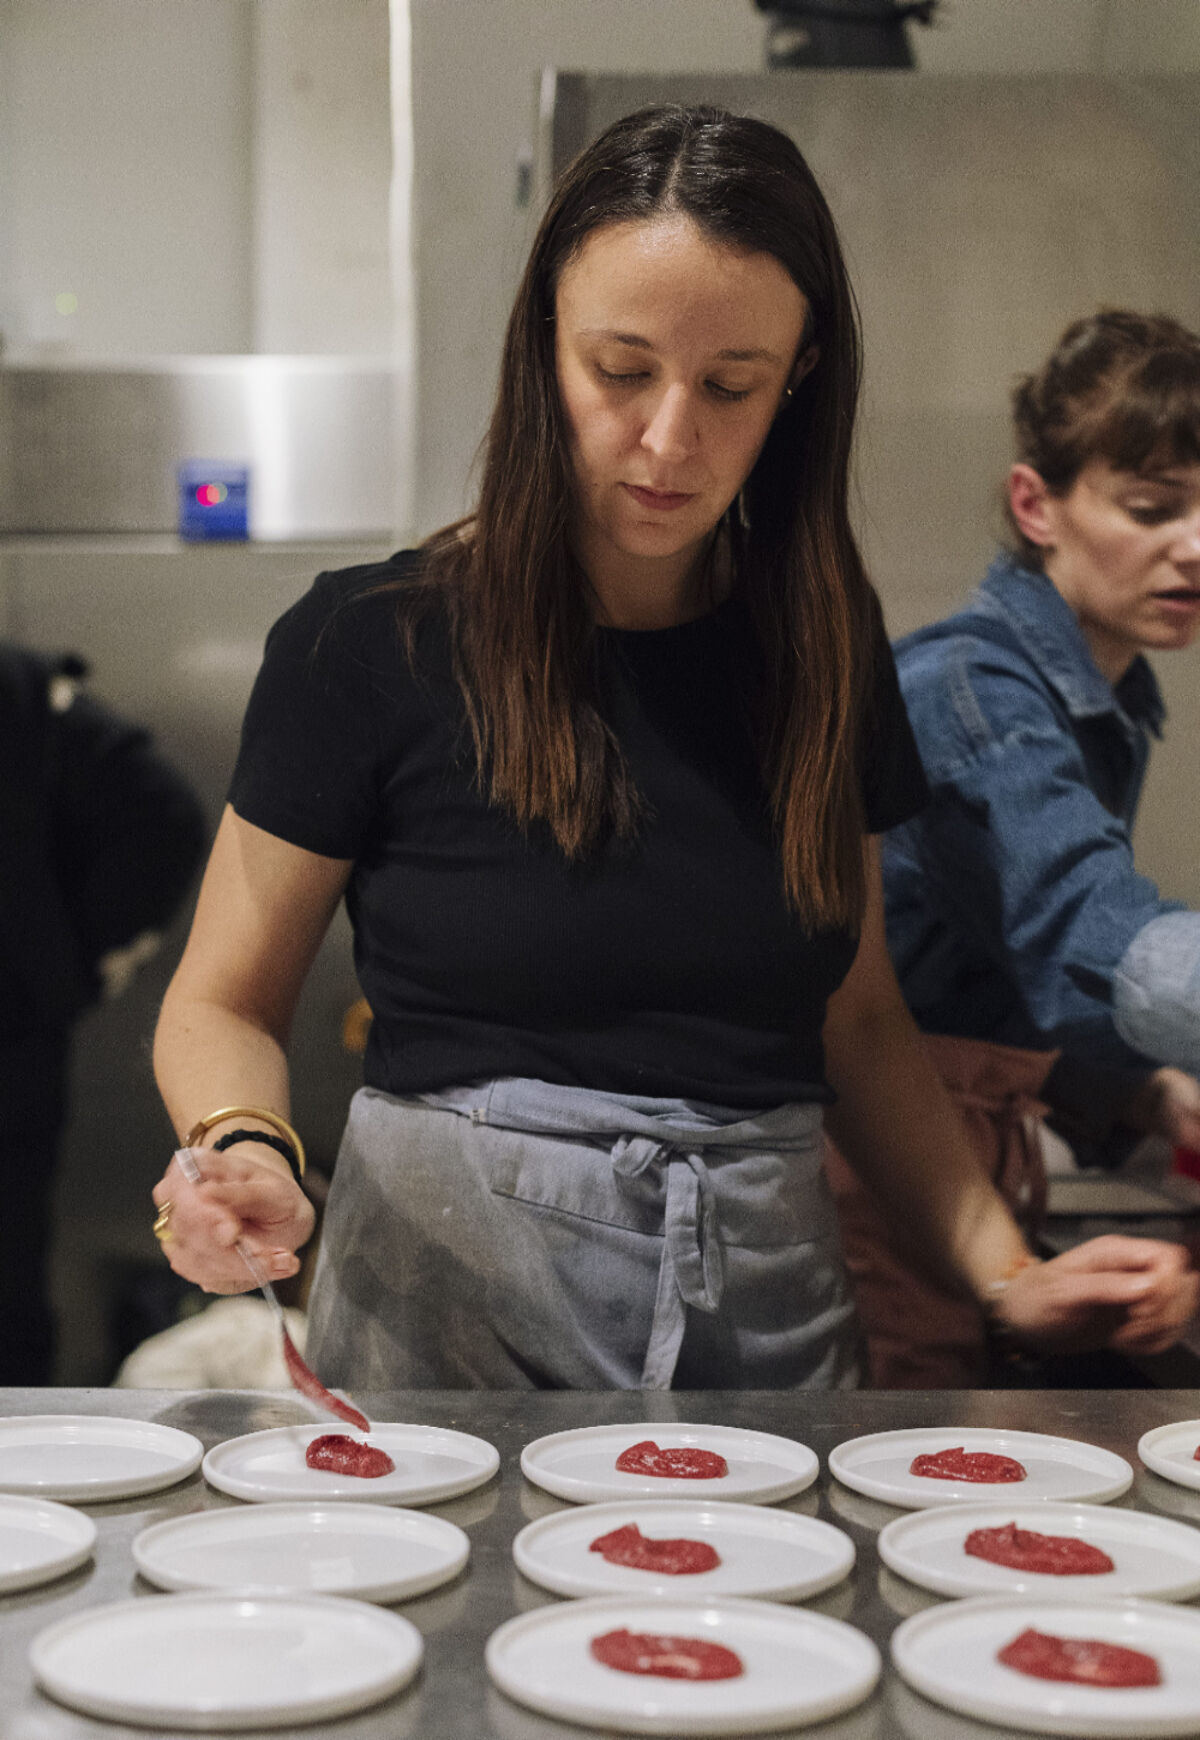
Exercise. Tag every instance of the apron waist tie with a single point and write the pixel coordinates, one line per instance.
(691, 1270)
(1021, 1175)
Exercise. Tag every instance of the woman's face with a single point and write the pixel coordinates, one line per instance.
(1124, 551)
(673, 353)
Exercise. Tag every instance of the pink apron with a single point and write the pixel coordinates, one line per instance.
(917, 1335)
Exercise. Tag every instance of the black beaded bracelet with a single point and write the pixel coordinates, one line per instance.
(279, 1143)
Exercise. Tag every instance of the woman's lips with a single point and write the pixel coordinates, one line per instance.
(662, 500)
(1179, 601)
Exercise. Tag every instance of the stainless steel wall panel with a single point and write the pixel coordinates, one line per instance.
(94, 449)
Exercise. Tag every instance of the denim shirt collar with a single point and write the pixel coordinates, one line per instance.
(1042, 620)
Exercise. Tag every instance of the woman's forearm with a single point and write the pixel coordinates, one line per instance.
(898, 1127)
(207, 1056)
(264, 907)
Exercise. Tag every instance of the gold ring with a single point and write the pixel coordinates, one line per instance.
(162, 1223)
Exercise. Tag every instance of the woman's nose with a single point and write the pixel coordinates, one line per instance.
(1186, 547)
(671, 432)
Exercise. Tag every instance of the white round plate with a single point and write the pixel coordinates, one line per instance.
(800, 1667)
(581, 1465)
(224, 1662)
(1152, 1556)
(40, 1540)
(86, 1458)
(949, 1654)
(432, 1463)
(772, 1554)
(325, 1549)
(1171, 1451)
(1055, 1468)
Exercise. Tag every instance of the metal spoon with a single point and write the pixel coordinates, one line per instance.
(303, 1377)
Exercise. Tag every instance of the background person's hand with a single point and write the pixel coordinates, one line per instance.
(238, 1199)
(1133, 1295)
(1168, 1105)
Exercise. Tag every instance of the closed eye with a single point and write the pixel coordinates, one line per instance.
(728, 395)
(618, 379)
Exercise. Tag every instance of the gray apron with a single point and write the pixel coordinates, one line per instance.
(519, 1235)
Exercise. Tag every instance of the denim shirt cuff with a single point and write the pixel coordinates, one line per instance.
(1086, 1101)
(1156, 991)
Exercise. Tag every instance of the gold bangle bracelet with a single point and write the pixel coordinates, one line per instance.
(995, 1290)
(199, 1130)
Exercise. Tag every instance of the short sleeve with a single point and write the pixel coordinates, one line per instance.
(894, 787)
(307, 769)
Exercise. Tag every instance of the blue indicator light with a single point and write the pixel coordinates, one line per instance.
(213, 500)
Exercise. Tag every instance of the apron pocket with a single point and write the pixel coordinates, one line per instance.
(571, 1178)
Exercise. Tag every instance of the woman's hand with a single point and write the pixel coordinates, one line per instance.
(238, 1199)
(1168, 1105)
(1134, 1295)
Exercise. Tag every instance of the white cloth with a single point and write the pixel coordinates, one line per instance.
(233, 1344)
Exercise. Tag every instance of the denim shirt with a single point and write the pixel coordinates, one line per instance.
(1014, 911)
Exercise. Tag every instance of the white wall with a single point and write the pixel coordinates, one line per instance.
(127, 140)
(7, 298)
(203, 176)
(322, 169)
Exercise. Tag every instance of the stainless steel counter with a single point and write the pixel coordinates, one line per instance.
(452, 1698)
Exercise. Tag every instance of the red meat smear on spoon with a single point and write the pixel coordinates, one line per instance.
(303, 1377)
(310, 1385)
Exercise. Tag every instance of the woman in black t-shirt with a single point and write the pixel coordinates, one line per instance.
(598, 772)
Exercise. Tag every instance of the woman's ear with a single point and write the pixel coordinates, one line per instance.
(1029, 501)
(805, 363)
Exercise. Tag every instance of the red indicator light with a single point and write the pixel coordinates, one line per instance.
(211, 494)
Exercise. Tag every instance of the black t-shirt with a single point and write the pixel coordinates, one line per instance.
(668, 966)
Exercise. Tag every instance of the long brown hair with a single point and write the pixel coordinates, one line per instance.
(522, 628)
(1118, 386)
